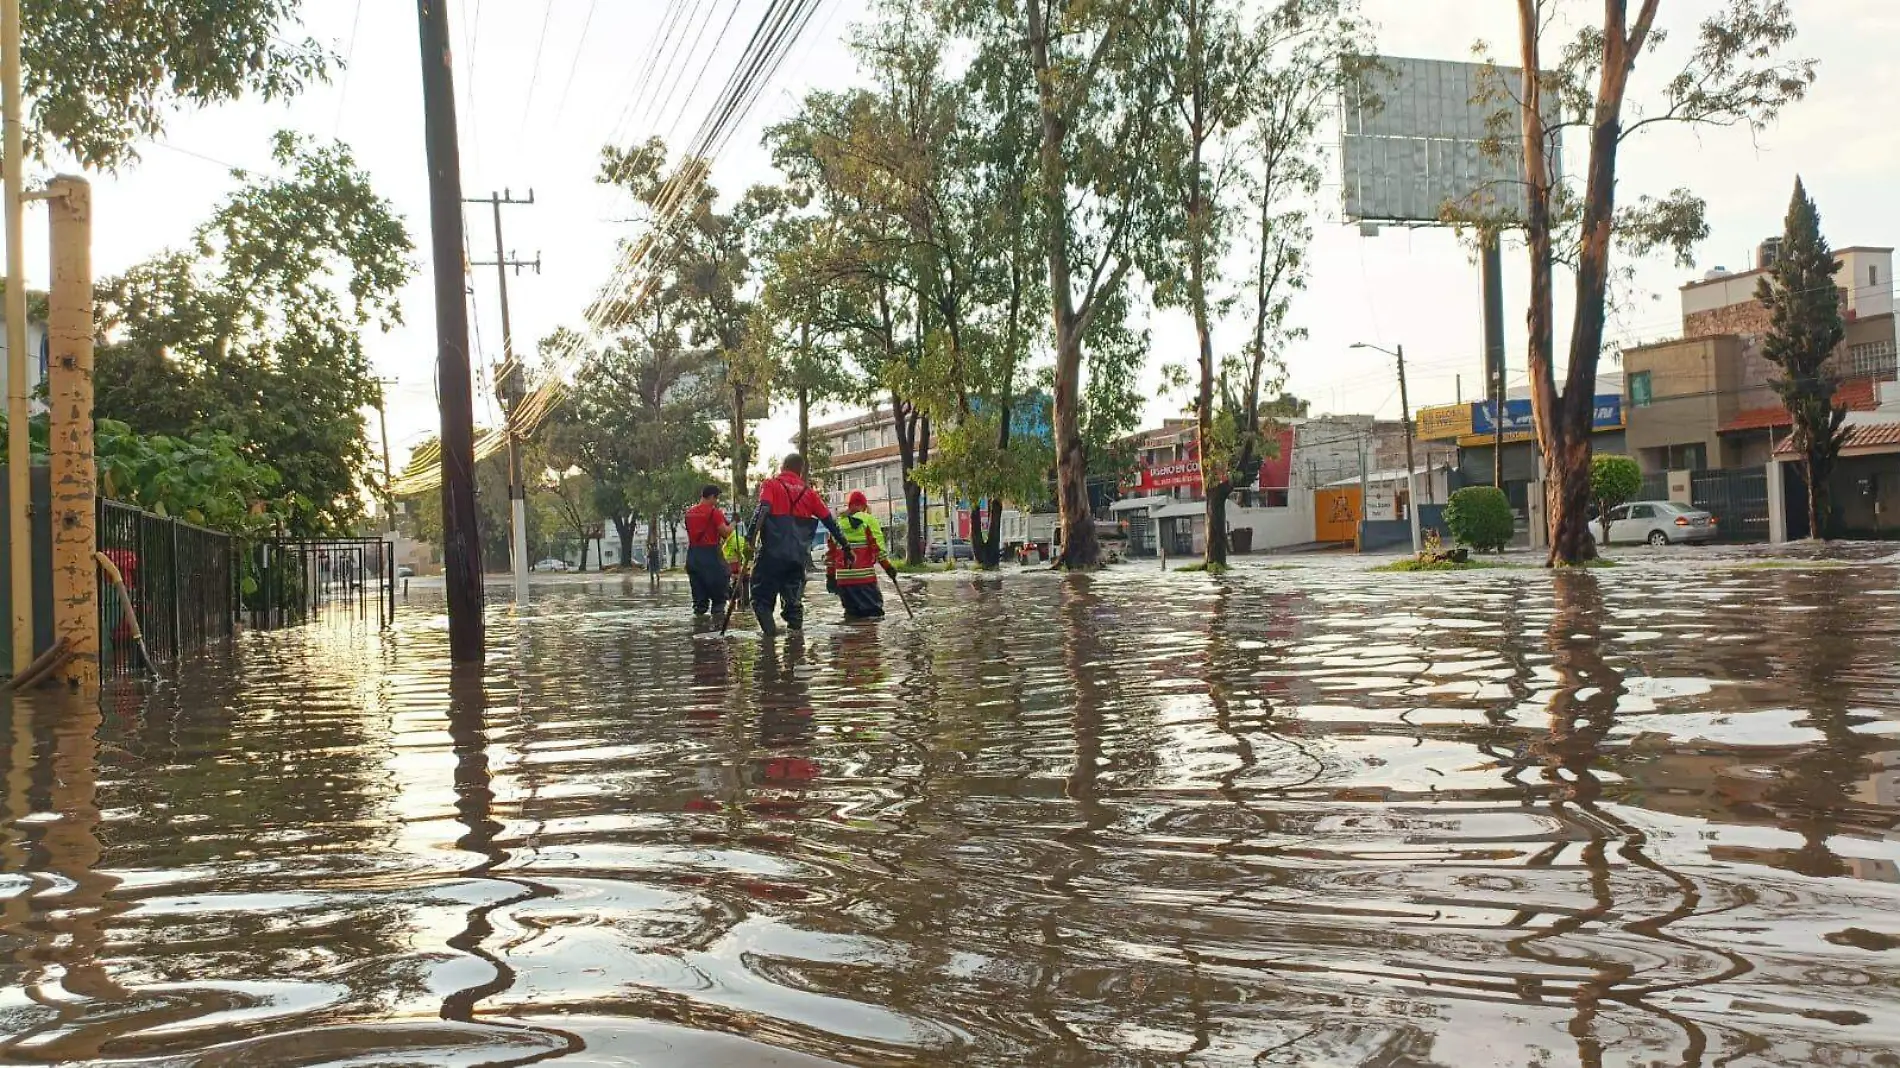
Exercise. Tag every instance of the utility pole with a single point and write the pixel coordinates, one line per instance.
(1492, 270)
(389, 477)
(509, 389)
(461, 536)
(74, 468)
(1411, 471)
(1397, 352)
(19, 448)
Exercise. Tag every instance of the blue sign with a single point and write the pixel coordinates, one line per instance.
(1607, 415)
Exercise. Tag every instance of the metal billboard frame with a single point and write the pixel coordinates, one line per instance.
(1419, 136)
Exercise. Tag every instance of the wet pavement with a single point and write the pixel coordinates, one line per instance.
(1301, 814)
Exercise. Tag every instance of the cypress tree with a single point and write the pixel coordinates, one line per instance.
(1805, 328)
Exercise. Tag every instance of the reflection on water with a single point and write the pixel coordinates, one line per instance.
(1312, 816)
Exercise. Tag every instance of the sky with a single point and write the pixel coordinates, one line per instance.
(543, 84)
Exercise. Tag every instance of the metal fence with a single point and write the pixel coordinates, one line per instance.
(1737, 497)
(181, 579)
(289, 581)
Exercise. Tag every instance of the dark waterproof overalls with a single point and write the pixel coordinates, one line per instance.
(787, 518)
(705, 564)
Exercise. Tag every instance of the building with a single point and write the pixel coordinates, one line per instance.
(1470, 427)
(1703, 401)
(1163, 507)
(1864, 490)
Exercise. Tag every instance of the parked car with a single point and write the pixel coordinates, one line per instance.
(550, 564)
(1656, 522)
(958, 548)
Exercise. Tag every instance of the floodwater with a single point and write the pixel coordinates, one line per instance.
(1300, 815)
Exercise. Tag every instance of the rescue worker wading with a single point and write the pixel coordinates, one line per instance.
(851, 567)
(782, 529)
(706, 531)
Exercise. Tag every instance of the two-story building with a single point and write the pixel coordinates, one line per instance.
(1703, 401)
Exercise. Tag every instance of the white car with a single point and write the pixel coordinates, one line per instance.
(1657, 523)
(550, 564)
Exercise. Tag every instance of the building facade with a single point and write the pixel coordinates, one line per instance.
(1703, 401)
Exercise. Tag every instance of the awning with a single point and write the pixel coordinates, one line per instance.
(1138, 503)
(1181, 509)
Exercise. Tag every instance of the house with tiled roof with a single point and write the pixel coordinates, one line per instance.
(1703, 400)
(1864, 490)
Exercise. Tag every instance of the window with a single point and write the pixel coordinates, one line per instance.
(1870, 358)
(1873, 275)
(1691, 457)
(1643, 511)
(1640, 394)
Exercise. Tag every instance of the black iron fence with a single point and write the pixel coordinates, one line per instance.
(289, 581)
(1737, 497)
(191, 587)
(181, 579)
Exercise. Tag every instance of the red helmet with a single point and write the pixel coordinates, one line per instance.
(856, 501)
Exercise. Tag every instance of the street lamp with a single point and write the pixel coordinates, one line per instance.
(1405, 417)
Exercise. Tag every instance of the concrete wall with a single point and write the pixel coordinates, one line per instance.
(1685, 406)
(1855, 514)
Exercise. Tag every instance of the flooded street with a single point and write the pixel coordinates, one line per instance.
(1302, 814)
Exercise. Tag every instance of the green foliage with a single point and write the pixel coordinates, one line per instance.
(1804, 329)
(1613, 480)
(1411, 565)
(205, 479)
(101, 76)
(255, 331)
(493, 514)
(1480, 517)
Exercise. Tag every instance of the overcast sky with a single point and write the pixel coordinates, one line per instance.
(538, 97)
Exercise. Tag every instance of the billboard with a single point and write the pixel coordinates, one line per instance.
(1413, 138)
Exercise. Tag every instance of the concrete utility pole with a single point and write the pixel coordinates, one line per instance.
(75, 473)
(509, 389)
(461, 534)
(19, 449)
(1493, 276)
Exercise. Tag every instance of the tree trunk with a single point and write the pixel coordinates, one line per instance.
(1079, 547)
(804, 423)
(623, 526)
(740, 459)
(1217, 548)
(1815, 497)
(904, 422)
(1567, 488)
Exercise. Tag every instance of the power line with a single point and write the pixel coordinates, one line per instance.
(574, 64)
(534, 71)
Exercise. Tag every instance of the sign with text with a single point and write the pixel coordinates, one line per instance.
(1607, 415)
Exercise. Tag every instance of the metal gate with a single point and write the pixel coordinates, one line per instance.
(289, 581)
(1737, 497)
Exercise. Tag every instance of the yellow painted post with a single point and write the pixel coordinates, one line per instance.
(19, 460)
(75, 473)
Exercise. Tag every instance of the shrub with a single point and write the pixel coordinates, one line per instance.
(1613, 480)
(1480, 516)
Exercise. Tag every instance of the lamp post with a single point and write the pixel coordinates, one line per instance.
(1405, 417)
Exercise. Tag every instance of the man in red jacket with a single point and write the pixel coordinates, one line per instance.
(706, 528)
(783, 527)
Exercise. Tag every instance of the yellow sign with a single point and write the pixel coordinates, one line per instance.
(1479, 441)
(1442, 422)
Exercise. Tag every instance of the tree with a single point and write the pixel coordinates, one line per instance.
(1613, 480)
(1731, 77)
(491, 502)
(638, 416)
(256, 330)
(100, 77)
(1805, 328)
(1098, 195)
(1246, 105)
(570, 501)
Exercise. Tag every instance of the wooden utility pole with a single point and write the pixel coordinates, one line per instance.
(19, 449)
(75, 474)
(509, 387)
(461, 536)
(1411, 471)
(389, 477)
